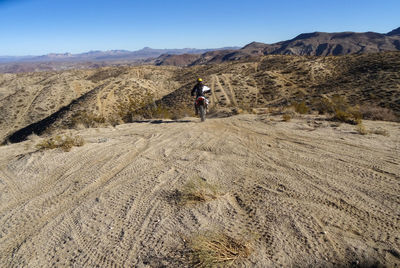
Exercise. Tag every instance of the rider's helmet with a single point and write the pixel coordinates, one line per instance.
(199, 80)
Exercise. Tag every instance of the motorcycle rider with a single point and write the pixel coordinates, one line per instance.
(199, 89)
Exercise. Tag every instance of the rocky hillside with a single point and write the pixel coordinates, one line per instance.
(307, 44)
(44, 97)
(35, 101)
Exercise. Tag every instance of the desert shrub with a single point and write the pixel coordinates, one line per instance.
(379, 131)
(322, 105)
(286, 117)
(300, 107)
(129, 109)
(245, 106)
(154, 111)
(147, 108)
(87, 119)
(360, 128)
(351, 115)
(374, 112)
(196, 190)
(217, 250)
(181, 112)
(339, 107)
(65, 142)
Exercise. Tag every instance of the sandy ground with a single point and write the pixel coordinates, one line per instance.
(302, 193)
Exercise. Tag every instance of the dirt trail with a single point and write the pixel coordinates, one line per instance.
(302, 193)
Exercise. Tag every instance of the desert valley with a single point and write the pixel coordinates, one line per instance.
(296, 165)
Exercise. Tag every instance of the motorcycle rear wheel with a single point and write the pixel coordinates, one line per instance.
(202, 113)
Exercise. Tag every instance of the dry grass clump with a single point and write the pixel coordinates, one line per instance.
(360, 128)
(339, 107)
(181, 112)
(286, 117)
(134, 108)
(217, 250)
(300, 107)
(374, 112)
(196, 190)
(87, 119)
(379, 131)
(148, 108)
(65, 142)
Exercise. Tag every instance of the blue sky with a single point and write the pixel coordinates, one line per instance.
(36, 27)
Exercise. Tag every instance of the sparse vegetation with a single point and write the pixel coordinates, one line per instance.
(286, 117)
(360, 128)
(300, 107)
(374, 112)
(87, 119)
(181, 112)
(147, 108)
(217, 250)
(196, 190)
(339, 107)
(379, 131)
(65, 142)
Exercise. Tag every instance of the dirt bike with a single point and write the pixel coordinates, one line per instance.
(201, 106)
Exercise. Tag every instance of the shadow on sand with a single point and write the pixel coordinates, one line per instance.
(160, 121)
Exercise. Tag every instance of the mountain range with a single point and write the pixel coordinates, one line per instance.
(306, 44)
(110, 55)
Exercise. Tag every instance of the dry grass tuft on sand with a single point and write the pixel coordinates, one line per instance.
(217, 250)
(65, 142)
(196, 190)
(360, 128)
(286, 117)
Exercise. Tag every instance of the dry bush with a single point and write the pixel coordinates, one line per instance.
(360, 128)
(339, 107)
(181, 112)
(128, 111)
(87, 119)
(351, 116)
(147, 108)
(374, 112)
(65, 142)
(286, 117)
(217, 250)
(245, 106)
(300, 107)
(379, 131)
(196, 190)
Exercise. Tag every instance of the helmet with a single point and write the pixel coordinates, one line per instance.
(199, 80)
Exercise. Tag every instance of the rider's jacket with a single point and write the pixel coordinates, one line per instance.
(199, 89)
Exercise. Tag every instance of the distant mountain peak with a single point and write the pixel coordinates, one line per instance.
(394, 32)
(253, 45)
(306, 35)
